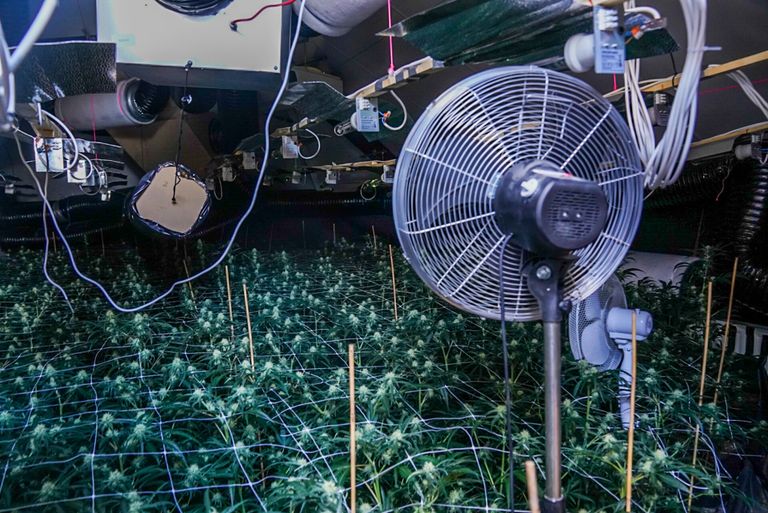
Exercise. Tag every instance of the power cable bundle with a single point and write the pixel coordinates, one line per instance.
(664, 160)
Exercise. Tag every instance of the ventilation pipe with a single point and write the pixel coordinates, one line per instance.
(135, 102)
(335, 18)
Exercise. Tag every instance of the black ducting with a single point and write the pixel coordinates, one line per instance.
(195, 7)
(700, 181)
(150, 99)
(751, 231)
(238, 118)
(36, 239)
(66, 211)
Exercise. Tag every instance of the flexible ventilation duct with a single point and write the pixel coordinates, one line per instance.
(337, 17)
(747, 239)
(135, 102)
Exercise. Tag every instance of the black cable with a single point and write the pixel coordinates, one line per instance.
(184, 101)
(507, 387)
(674, 68)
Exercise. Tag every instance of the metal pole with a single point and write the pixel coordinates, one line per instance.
(553, 497)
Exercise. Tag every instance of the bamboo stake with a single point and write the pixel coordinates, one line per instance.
(229, 303)
(189, 283)
(373, 230)
(394, 283)
(248, 321)
(533, 488)
(631, 434)
(334, 234)
(701, 385)
(103, 248)
(724, 343)
(352, 433)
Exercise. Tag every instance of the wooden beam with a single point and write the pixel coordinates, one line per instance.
(733, 134)
(712, 71)
(408, 73)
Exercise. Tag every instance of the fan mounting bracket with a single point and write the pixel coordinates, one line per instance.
(544, 283)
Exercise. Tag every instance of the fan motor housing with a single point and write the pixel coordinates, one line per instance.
(547, 211)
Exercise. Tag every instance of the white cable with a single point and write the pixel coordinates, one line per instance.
(46, 205)
(664, 161)
(230, 243)
(405, 115)
(33, 33)
(319, 146)
(7, 84)
(746, 85)
(72, 138)
(644, 10)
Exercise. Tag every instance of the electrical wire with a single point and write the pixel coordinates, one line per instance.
(238, 226)
(405, 115)
(233, 24)
(33, 33)
(60, 124)
(507, 384)
(664, 161)
(746, 85)
(319, 146)
(7, 86)
(46, 206)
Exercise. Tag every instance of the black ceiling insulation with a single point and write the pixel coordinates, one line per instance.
(195, 7)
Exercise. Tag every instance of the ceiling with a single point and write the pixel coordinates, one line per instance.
(737, 26)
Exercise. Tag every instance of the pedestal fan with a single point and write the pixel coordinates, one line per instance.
(518, 192)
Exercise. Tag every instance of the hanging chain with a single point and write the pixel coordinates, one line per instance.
(186, 99)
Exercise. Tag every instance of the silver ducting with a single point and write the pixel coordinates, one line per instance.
(105, 110)
(337, 17)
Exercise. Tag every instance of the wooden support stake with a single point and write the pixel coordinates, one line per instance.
(229, 303)
(533, 487)
(373, 230)
(189, 283)
(334, 234)
(248, 321)
(352, 433)
(103, 248)
(631, 434)
(701, 386)
(724, 342)
(394, 283)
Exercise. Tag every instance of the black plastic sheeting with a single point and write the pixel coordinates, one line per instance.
(55, 70)
(512, 32)
(152, 227)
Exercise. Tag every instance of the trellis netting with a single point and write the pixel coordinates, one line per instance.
(165, 410)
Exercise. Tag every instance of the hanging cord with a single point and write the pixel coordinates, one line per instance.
(507, 386)
(391, 40)
(186, 99)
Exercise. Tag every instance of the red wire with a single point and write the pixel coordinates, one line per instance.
(233, 23)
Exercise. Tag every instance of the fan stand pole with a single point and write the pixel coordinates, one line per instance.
(544, 284)
(553, 492)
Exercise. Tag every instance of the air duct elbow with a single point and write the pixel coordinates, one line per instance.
(335, 18)
(134, 103)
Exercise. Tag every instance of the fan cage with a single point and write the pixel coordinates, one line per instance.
(459, 149)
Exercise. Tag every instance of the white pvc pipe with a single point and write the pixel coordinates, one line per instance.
(337, 17)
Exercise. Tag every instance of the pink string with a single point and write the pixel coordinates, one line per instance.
(391, 40)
